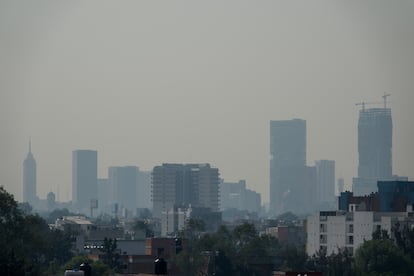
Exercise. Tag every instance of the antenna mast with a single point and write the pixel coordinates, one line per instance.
(385, 99)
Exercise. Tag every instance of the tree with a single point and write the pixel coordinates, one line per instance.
(237, 252)
(111, 256)
(11, 219)
(194, 227)
(382, 257)
(141, 225)
(404, 238)
(27, 245)
(57, 213)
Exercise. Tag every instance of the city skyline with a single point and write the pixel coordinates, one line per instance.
(189, 83)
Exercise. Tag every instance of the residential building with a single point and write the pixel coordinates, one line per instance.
(29, 179)
(392, 196)
(287, 165)
(332, 231)
(184, 184)
(84, 178)
(173, 221)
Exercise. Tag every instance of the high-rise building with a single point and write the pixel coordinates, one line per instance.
(84, 178)
(29, 178)
(287, 164)
(144, 189)
(236, 195)
(325, 183)
(183, 185)
(374, 149)
(123, 183)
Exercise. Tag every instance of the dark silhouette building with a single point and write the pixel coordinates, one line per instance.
(29, 178)
(84, 178)
(184, 184)
(287, 165)
(123, 186)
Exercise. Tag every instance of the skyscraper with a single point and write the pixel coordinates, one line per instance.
(123, 184)
(84, 178)
(374, 149)
(29, 178)
(184, 185)
(287, 164)
(325, 183)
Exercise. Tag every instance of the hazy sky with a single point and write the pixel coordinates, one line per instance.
(149, 82)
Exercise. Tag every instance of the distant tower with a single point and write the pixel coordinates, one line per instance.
(287, 165)
(374, 149)
(123, 184)
(84, 178)
(325, 187)
(29, 178)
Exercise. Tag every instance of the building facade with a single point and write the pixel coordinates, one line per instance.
(144, 189)
(287, 164)
(184, 185)
(374, 149)
(29, 178)
(123, 186)
(84, 178)
(332, 231)
(236, 195)
(325, 183)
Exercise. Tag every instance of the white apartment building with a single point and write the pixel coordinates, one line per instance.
(173, 221)
(334, 230)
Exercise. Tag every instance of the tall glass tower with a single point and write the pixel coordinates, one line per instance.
(84, 178)
(287, 164)
(374, 149)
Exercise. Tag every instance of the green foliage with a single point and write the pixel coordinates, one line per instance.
(340, 263)
(57, 213)
(237, 252)
(27, 245)
(189, 262)
(25, 207)
(111, 256)
(404, 238)
(380, 234)
(143, 225)
(193, 228)
(382, 257)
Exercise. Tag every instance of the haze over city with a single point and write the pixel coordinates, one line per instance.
(145, 83)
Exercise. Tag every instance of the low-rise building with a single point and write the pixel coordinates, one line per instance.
(334, 230)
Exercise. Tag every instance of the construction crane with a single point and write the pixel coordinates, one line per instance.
(385, 99)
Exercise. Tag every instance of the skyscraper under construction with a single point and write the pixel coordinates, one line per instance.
(374, 149)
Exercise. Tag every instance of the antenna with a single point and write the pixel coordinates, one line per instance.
(385, 99)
